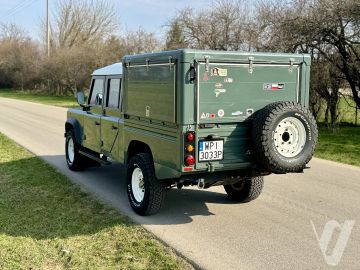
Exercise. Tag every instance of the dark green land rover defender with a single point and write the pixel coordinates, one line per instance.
(189, 117)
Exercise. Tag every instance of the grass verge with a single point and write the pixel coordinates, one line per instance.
(46, 222)
(60, 101)
(342, 145)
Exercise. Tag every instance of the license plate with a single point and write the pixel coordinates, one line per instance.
(211, 150)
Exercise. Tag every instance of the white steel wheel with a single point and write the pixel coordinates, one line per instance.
(145, 192)
(138, 184)
(290, 137)
(71, 150)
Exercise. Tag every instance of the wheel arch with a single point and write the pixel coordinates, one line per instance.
(136, 147)
(73, 124)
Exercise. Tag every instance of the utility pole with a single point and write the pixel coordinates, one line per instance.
(48, 27)
(48, 37)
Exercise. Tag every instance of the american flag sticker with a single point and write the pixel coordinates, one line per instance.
(273, 86)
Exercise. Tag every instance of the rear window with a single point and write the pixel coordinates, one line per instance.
(113, 97)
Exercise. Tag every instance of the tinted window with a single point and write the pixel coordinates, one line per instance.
(98, 87)
(113, 97)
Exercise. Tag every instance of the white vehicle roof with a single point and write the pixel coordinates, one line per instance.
(114, 69)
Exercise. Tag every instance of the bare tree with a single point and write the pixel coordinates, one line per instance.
(12, 32)
(19, 57)
(83, 22)
(69, 69)
(140, 41)
(330, 28)
(224, 26)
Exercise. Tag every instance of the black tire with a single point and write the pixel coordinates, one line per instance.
(270, 146)
(153, 189)
(75, 163)
(246, 190)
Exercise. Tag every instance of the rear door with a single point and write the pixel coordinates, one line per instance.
(227, 95)
(232, 92)
(112, 117)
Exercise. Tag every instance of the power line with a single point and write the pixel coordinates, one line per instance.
(19, 7)
(14, 8)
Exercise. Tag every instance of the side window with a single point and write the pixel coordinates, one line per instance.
(113, 97)
(97, 88)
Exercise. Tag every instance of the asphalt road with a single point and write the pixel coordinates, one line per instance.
(273, 232)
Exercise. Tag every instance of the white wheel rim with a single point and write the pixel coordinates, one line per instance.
(137, 184)
(71, 150)
(290, 137)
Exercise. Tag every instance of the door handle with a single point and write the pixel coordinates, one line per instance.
(97, 123)
(114, 128)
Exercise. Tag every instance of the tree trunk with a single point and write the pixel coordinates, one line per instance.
(326, 120)
(333, 111)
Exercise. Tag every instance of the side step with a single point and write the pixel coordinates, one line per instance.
(91, 156)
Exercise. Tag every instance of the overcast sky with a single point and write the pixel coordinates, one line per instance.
(149, 14)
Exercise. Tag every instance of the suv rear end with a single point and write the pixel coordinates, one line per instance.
(226, 90)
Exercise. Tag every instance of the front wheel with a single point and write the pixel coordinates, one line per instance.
(74, 159)
(246, 190)
(145, 192)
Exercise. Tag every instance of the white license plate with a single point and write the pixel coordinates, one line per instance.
(211, 150)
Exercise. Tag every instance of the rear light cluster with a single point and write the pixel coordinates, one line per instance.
(189, 152)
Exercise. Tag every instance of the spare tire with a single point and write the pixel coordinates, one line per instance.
(284, 136)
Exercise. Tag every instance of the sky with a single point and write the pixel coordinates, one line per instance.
(151, 15)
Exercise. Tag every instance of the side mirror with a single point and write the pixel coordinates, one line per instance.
(80, 98)
(98, 99)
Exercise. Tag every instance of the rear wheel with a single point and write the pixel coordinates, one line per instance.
(145, 192)
(245, 190)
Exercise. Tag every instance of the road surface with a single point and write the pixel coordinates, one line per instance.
(273, 232)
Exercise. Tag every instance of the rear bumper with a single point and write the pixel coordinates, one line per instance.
(219, 177)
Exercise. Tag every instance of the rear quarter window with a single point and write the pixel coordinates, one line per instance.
(113, 97)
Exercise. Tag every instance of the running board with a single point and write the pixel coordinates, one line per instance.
(91, 156)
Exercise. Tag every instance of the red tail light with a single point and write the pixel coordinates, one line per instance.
(190, 137)
(189, 160)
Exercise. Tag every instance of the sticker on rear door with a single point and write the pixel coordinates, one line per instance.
(273, 86)
(208, 115)
(222, 72)
(219, 91)
(221, 113)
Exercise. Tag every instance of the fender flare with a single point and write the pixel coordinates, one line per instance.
(72, 123)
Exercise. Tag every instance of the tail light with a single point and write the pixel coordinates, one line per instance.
(189, 160)
(190, 136)
(189, 148)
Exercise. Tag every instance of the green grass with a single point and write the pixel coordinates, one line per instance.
(342, 145)
(61, 101)
(46, 222)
